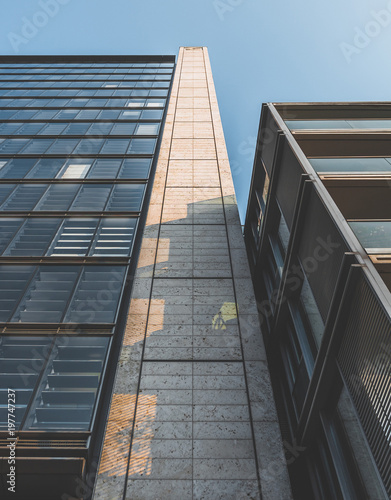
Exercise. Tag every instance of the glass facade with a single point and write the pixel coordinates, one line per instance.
(77, 147)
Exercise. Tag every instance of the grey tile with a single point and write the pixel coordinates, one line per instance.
(225, 490)
(171, 430)
(224, 368)
(209, 353)
(163, 448)
(220, 397)
(218, 382)
(180, 353)
(222, 430)
(223, 448)
(166, 382)
(173, 396)
(155, 489)
(162, 368)
(163, 468)
(219, 413)
(211, 468)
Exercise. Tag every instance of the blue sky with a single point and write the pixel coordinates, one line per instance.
(260, 50)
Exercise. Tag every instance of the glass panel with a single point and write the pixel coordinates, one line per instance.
(12, 146)
(147, 129)
(75, 170)
(19, 359)
(16, 168)
(99, 128)
(317, 124)
(130, 115)
(68, 391)
(126, 197)
(149, 114)
(374, 236)
(47, 168)
(97, 295)
(123, 129)
(29, 129)
(91, 198)
(8, 228)
(24, 197)
(135, 168)
(76, 129)
(115, 146)
(5, 190)
(351, 165)
(36, 146)
(9, 128)
(74, 237)
(33, 238)
(142, 146)
(63, 146)
(312, 311)
(114, 237)
(47, 295)
(13, 281)
(58, 197)
(105, 169)
(53, 129)
(379, 124)
(89, 146)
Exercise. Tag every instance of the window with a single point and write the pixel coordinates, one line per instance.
(97, 295)
(15, 168)
(105, 169)
(74, 238)
(89, 146)
(8, 227)
(91, 198)
(24, 197)
(135, 168)
(33, 238)
(46, 168)
(142, 146)
(123, 129)
(47, 295)
(12, 146)
(114, 237)
(13, 280)
(58, 197)
(75, 171)
(37, 146)
(63, 146)
(147, 129)
(76, 129)
(126, 198)
(115, 146)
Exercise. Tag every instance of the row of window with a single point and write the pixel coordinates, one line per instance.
(56, 294)
(73, 237)
(46, 84)
(36, 66)
(108, 91)
(80, 70)
(79, 102)
(85, 114)
(58, 128)
(55, 380)
(89, 128)
(337, 124)
(91, 146)
(77, 168)
(71, 197)
(74, 78)
(352, 165)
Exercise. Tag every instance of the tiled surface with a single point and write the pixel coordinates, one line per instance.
(193, 415)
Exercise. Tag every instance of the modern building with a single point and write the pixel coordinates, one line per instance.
(130, 337)
(318, 238)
